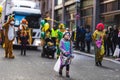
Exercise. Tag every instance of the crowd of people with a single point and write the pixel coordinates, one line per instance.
(84, 39)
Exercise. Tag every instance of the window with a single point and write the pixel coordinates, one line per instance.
(109, 7)
(87, 3)
(58, 2)
(87, 12)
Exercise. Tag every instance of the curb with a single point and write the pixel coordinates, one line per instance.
(91, 55)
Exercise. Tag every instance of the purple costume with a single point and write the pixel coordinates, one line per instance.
(66, 52)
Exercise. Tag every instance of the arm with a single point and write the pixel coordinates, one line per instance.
(94, 36)
(5, 25)
(61, 47)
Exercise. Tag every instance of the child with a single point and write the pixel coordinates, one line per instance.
(66, 53)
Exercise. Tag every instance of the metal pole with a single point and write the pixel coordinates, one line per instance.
(77, 16)
(96, 12)
(63, 10)
(53, 4)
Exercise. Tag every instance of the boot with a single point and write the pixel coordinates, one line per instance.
(60, 72)
(67, 74)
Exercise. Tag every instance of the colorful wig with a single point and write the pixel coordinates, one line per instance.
(100, 26)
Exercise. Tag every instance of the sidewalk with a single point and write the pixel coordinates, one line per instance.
(92, 55)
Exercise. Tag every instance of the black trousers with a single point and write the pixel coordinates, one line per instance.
(67, 67)
(23, 49)
(82, 45)
(88, 46)
(54, 40)
(109, 47)
(77, 43)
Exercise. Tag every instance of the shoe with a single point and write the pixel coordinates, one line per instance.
(100, 63)
(60, 72)
(24, 54)
(96, 64)
(67, 74)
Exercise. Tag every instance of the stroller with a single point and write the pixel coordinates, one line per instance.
(48, 49)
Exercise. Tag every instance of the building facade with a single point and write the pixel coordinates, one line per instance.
(87, 12)
(66, 12)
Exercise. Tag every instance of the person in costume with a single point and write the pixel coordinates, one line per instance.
(66, 53)
(60, 36)
(9, 37)
(24, 35)
(24, 40)
(54, 34)
(98, 38)
(23, 26)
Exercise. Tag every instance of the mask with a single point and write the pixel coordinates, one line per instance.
(12, 23)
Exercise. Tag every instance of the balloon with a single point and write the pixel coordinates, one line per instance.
(1, 8)
(46, 26)
(42, 23)
(42, 35)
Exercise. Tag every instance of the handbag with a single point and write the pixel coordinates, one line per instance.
(57, 65)
(116, 52)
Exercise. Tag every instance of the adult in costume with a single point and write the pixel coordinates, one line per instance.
(60, 36)
(24, 36)
(98, 38)
(9, 37)
(54, 34)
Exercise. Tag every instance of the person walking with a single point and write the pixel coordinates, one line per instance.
(66, 53)
(98, 38)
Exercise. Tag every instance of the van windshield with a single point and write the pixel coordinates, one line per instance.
(33, 19)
